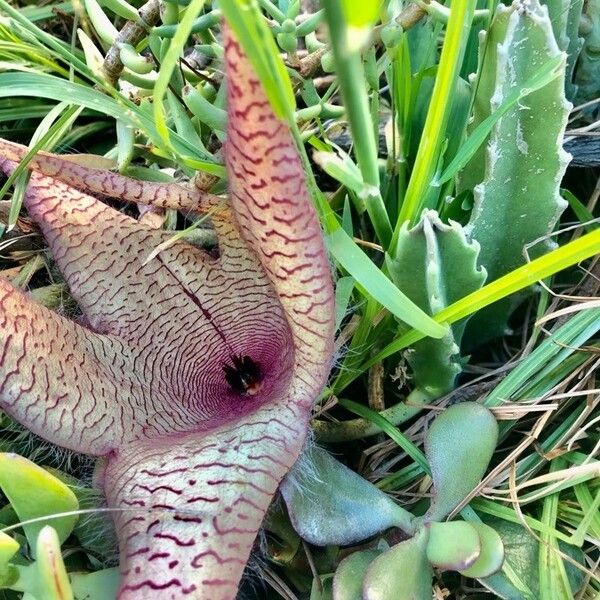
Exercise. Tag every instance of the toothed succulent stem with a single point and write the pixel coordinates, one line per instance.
(517, 197)
(443, 268)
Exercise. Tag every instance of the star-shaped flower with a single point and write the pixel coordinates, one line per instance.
(193, 375)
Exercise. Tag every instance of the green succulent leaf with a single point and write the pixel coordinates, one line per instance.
(453, 546)
(331, 505)
(587, 76)
(565, 16)
(401, 573)
(458, 446)
(349, 576)
(33, 493)
(491, 557)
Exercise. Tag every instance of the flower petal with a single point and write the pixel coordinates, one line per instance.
(193, 504)
(71, 171)
(273, 208)
(53, 376)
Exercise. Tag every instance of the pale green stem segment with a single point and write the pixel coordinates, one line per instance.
(442, 13)
(169, 63)
(428, 154)
(350, 74)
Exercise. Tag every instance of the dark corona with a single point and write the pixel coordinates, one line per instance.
(244, 376)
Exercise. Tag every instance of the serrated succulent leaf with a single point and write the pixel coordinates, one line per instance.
(565, 16)
(458, 445)
(435, 265)
(349, 576)
(491, 556)
(518, 200)
(485, 83)
(401, 573)
(454, 545)
(194, 452)
(329, 504)
(33, 492)
(587, 75)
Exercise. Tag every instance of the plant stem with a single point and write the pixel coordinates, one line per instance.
(356, 429)
(350, 73)
(131, 33)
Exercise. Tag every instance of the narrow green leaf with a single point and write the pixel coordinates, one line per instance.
(44, 138)
(570, 254)
(168, 64)
(394, 433)
(46, 86)
(586, 218)
(432, 138)
(552, 574)
(358, 264)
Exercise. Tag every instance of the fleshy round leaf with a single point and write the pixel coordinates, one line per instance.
(349, 576)
(491, 556)
(33, 492)
(331, 505)
(453, 546)
(53, 581)
(401, 573)
(459, 446)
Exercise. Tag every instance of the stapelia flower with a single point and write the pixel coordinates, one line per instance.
(193, 375)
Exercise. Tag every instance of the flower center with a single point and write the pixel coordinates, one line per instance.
(245, 376)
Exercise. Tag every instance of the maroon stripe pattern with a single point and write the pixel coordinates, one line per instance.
(191, 461)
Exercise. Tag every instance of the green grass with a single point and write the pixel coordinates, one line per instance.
(400, 89)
